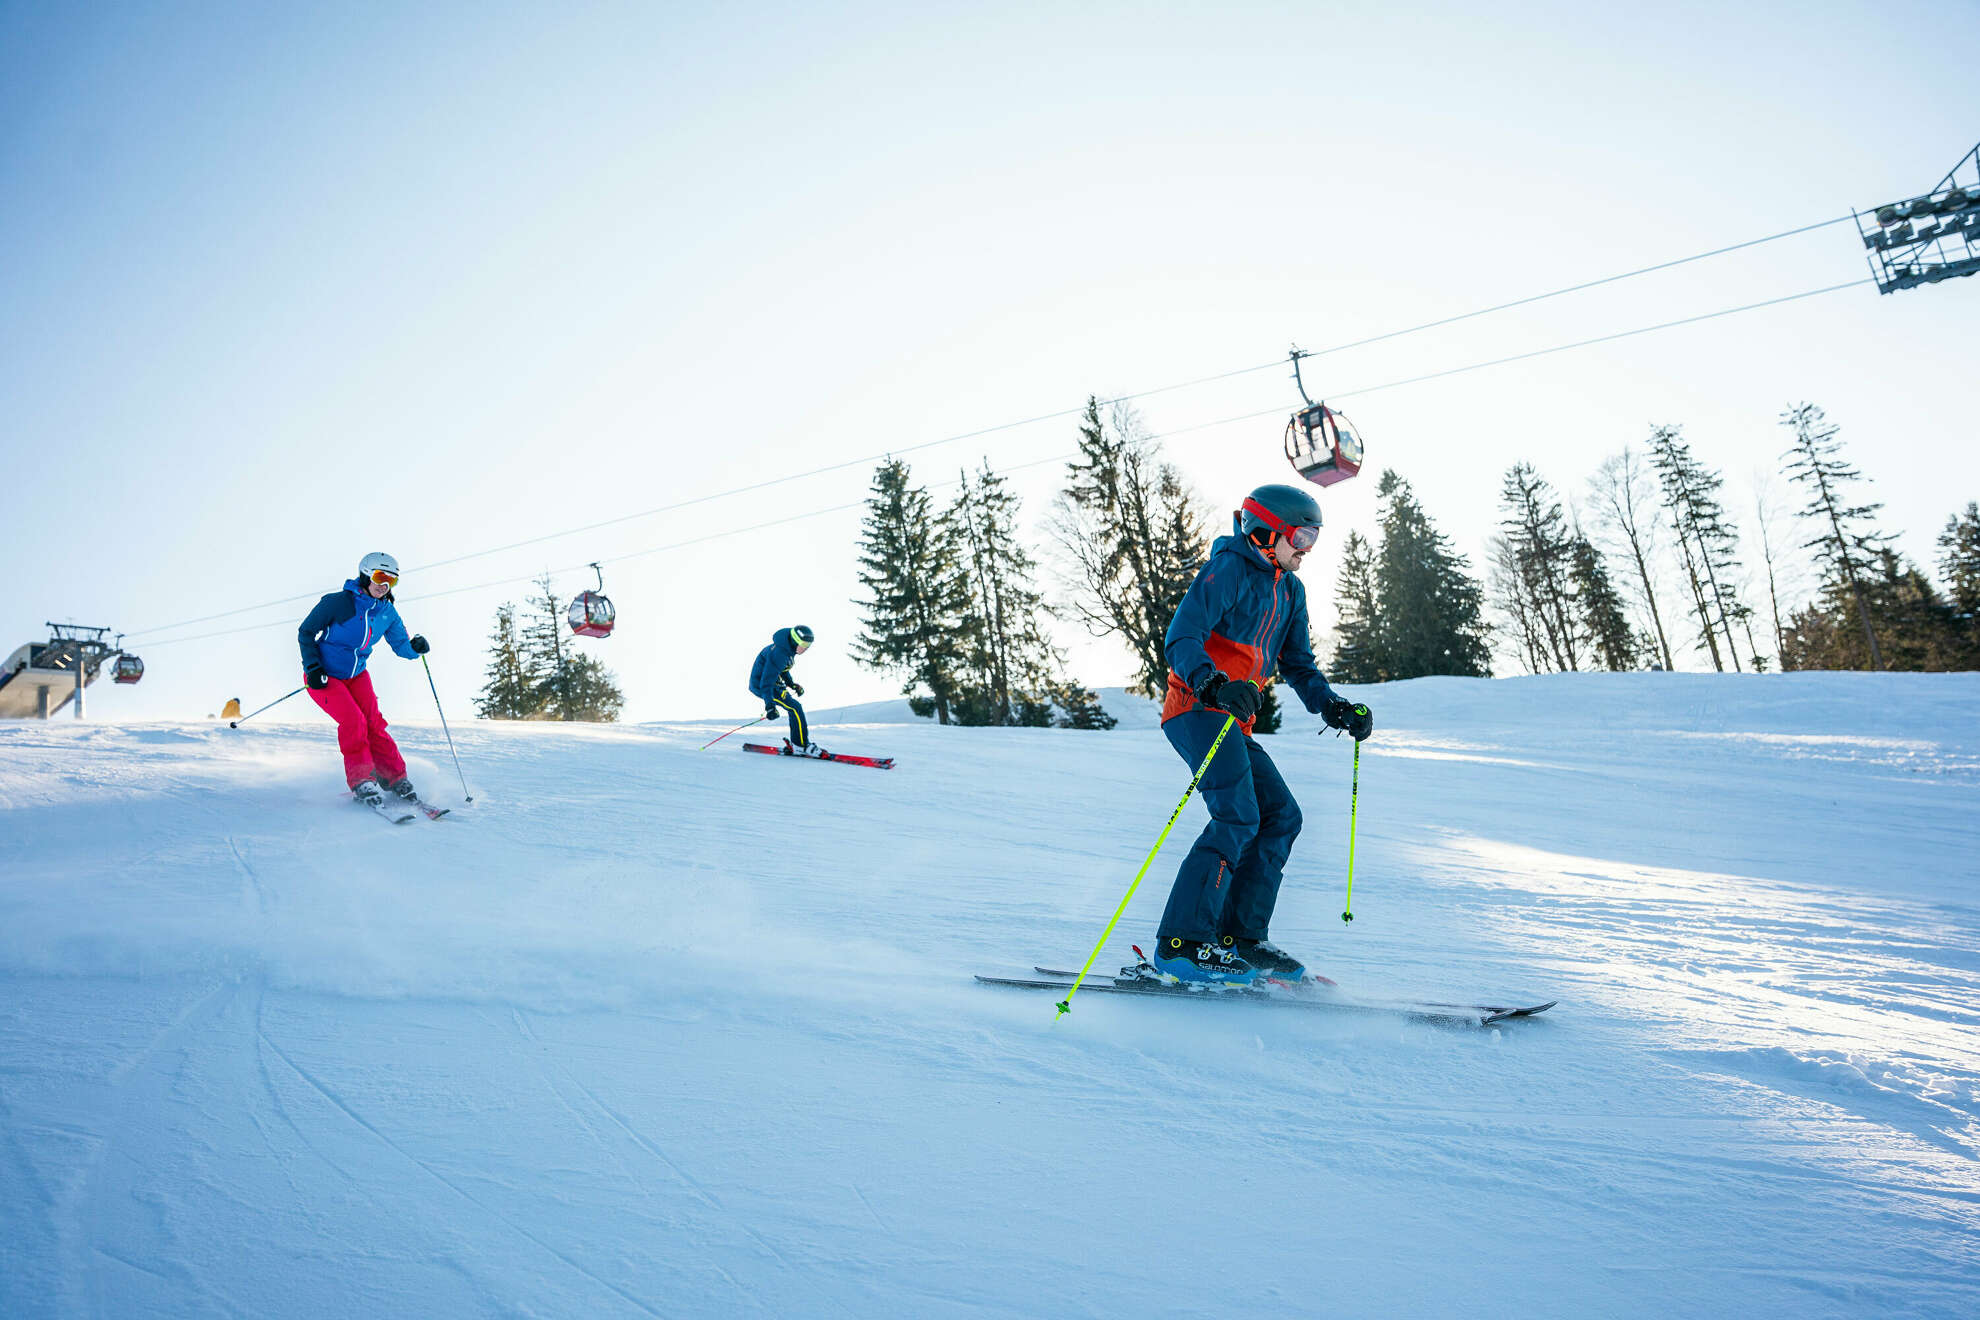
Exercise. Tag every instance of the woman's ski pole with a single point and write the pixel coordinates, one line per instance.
(738, 729)
(1354, 802)
(235, 724)
(443, 724)
(1065, 1005)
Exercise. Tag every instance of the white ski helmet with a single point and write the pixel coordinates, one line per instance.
(378, 562)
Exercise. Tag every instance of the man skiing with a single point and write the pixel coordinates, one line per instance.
(1242, 622)
(336, 640)
(771, 683)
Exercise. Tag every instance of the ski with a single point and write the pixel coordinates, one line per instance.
(396, 812)
(430, 811)
(877, 762)
(1479, 1015)
(1313, 978)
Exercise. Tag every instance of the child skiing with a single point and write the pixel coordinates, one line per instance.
(771, 683)
(1242, 621)
(336, 640)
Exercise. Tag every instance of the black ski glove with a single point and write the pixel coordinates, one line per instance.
(315, 679)
(796, 687)
(420, 645)
(1234, 696)
(771, 712)
(1351, 716)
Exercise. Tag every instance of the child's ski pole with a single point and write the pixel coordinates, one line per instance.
(738, 729)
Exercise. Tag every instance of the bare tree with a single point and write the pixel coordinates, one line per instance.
(1510, 588)
(1624, 491)
(1768, 518)
(1543, 550)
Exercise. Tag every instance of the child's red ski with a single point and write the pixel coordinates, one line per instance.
(877, 762)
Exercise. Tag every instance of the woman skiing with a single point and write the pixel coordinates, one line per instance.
(1242, 622)
(336, 640)
(771, 683)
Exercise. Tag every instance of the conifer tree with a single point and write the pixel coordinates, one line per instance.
(1131, 536)
(1707, 544)
(1007, 666)
(1429, 608)
(510, 692)
(1359, 654)
(1603, 620)
(1916, 628)
(1959, 568)
(910, 564)
(1848, 539)
(1271, 712)
(1080, 708)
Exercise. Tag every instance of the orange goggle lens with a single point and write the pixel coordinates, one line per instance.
(380, 577)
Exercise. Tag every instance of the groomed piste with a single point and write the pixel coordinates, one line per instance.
(649, 1031)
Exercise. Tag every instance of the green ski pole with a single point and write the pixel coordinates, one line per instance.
(1354, 802)
(1065, 1005)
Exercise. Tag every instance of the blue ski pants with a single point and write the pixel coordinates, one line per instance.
(800, 735)
(1229, 883)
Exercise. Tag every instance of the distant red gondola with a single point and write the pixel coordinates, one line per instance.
(1321, 444)
(129, 669)
(591, 612)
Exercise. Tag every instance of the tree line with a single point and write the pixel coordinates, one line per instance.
(1661, 569)
(1651, 566)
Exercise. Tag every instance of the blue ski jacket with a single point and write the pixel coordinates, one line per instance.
(340, 632)
(1246, 616)
(772, 669)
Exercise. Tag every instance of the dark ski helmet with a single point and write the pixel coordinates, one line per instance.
(1272, 511)
(801, 636)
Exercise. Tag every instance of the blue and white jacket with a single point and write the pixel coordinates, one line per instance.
(340, 632)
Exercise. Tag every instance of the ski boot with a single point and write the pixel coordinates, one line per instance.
(404, 788)
(368, 793)
(1201, 962)
(812, 750)
(1271, 961)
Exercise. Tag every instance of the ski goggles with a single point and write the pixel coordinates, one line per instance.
(1302, 537)
(382, 577)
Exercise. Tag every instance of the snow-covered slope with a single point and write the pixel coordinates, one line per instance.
(653, 1031)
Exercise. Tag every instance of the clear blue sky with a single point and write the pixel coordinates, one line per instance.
(286, 284)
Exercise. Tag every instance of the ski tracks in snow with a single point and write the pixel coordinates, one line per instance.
(561, 1080)
(460, 1193)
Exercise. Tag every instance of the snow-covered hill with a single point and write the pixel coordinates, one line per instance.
(653, 1031)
